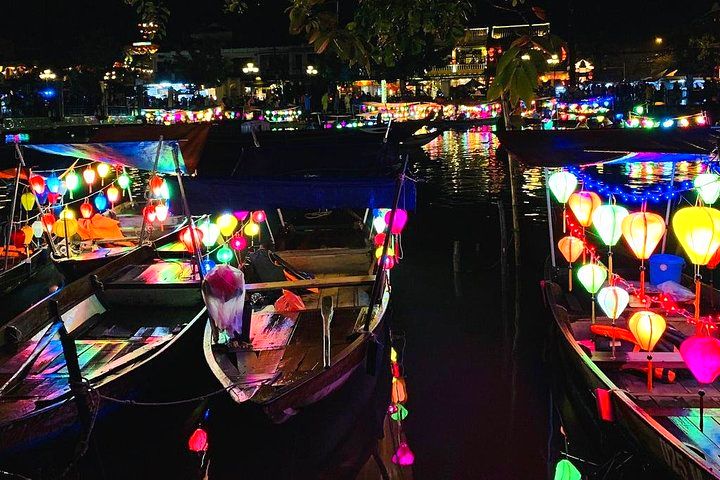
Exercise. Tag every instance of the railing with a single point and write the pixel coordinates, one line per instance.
(459, 69)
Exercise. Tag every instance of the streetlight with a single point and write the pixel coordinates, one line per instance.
(310, 70)
(553, 60)
(250, 68)
(658, 40)
(47, 75)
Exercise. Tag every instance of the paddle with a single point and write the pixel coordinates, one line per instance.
(326, 310)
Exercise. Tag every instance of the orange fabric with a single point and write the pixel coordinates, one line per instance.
(99, 226)
(13, 251)
(613, 332)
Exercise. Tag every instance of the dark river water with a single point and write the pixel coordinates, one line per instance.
(475, 345)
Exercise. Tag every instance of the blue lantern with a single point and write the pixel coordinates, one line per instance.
(101, 202)
(53, 183)
(207, 265)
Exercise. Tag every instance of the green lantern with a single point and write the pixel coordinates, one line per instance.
(224, 254)
(708, 187)
(592, 276)
(565, 470)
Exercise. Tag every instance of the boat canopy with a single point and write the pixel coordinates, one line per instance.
(218, 194)
(139, 155)
(559, 148)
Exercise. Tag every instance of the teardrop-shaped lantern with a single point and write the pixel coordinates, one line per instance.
(86, 210)
(592, 276)
(708, 187)
(89, 175)
(642, 231)
(27, 200)
(113, 194)
(613, 301)
(101, 202)
(399, 221)
(647, 328)
(583, 204)
(186, 237)
(211, 232)
(103, 169)
(37, 228)
(37, 183)
(565, 470)
(571, 247)
(607, 220)
(123, 181)
(698, 231)
(53, 183)
(161, 212)
(701, 354)
(227, 223)
(72, 181)
(562, 185)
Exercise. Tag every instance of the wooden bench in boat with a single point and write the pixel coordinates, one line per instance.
(660, 359)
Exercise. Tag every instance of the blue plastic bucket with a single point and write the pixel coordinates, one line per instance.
(664, 267)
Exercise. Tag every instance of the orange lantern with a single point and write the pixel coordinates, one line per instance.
(48, 220)
(398, 390)
(647, 328)
(156, 185)
(186, 237)
(642, 231)
(113, 194)
(583, 204)
(571, 248)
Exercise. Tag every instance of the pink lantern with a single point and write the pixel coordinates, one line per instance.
(241, 215)
(702, 356)
(238, 243)
(379, 239)
(259, 216)
(399, 222)
(403, 456)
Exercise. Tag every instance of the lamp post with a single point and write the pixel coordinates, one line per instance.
(250, 68)
(311, 71)
(48, 76)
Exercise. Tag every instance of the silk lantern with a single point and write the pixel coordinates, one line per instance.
(113, 195)
(123, 181)
(86, 210)
(583, 204)
(241, 215)
(259, 216)
(198, 441)
(613, 301)
(53, 183)
(156, 183)
(251, 229)
(149, 213)
(698, 231)
(403, 455)
(17, 238)
(562, 184)
(66, 213)
(37, 228)
(48, 220)
(592, 276)
(224, 254)
(399, 221)
(238, 243)
(186, 237)
(101, 201)
(398, 391)
(701, 354)
(399, 413)
(207, 265)
(227, 224)
(647, 328)
(607, 220)
(89, 176)
(642, 231)
(565, 470)
(72, 181)
(27, 200)
(211, 232)
(161, 212)
(29, 233)
(707, 186)
(65, 227)
(37, 183)
(103, 169)
(571, 248)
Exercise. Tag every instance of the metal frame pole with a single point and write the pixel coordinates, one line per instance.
(11, 220)
(191, 223)
(669, 204)
(141, 237)
(551, 233)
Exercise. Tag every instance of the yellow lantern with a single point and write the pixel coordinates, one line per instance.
(698, 231)
(571, 248)
(66, 227)
(647, 328)
(103, 169)
(27, 200)
(67, 213)
(642, 231)
(251, 229)
(583, 204)
(227, 223)
(28, 231)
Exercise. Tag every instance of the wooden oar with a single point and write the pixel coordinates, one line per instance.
(326, 310)
(23, 371)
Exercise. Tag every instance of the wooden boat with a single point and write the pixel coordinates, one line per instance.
(21, 269)
(128, 322)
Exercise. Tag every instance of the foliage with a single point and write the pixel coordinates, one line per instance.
(152, 11)
(707, 50)
(386, 37)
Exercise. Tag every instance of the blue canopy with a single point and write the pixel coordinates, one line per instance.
(217, 194)
(140, 155)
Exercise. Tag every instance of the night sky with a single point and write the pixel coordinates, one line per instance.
(73, 31)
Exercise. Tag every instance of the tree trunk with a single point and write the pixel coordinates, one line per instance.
(514, 187)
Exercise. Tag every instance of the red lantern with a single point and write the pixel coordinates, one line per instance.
(17, 238)
(198, 441)
(52, 197)
(238, 243)
(259, 216)
(388, 264)
(186, 237)
(714, 260)
(379, 239)
(156, 184)
(149, 213)
(48, 220)
(113, 194)
(37, 183)
(86, 210)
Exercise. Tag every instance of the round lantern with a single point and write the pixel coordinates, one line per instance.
(207, 265)
(123, 181)
(113, 194)
(27, 200)
(238, 243)
(399, 222)
(379, 239)
(161, 212)
(571, 248)
(583, 204)
(592, 276)
(227, 224)
(251, 229)
(708, 187)
(89, 176)
(101, 201)
(607, 220)
(17, 238)
(149, 213)
(379, 250)
(224, 254)
(66, 213)
(103, 169)
(647, 328)
(37, 183)
(37, 228)
(65, 227)
(86, 210)
(643, 231)
(186, 237)
(156, 183)
(211, 232)
(72, 181)
(613, 301)
(259, 216)
(403, 456)
(53, 183)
